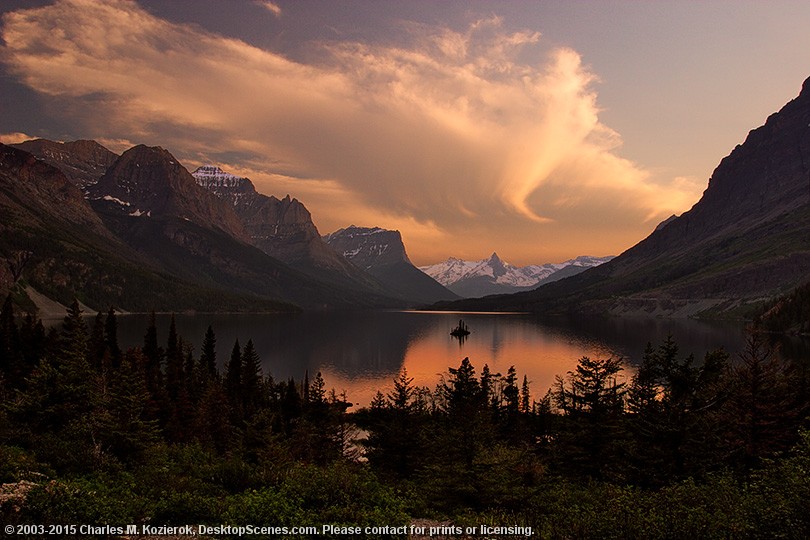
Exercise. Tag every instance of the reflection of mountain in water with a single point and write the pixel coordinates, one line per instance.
(363, 351)
(629, 336)
(355, 344)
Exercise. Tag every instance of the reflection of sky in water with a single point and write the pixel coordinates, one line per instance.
(362, 352)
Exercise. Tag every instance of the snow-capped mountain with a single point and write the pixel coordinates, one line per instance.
(494, 276)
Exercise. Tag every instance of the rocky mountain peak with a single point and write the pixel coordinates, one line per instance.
(282, 228)
(368, 247)
(235, 189)
(149, 181)
(83, 162)
(497, 265)
(381, 253)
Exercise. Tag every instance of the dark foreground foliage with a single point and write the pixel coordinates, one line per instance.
(680, 448)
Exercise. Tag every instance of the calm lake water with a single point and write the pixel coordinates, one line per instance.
(361, 352)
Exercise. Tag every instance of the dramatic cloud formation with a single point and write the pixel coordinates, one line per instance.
(451, 138)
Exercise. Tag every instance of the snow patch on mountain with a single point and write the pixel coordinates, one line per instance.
(115, 200)
(226, 185)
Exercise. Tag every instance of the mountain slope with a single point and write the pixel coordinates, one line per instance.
(82, 162)
(62, 249)
(746, 240)
(382, 253)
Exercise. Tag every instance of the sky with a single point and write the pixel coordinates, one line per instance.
(542, 130)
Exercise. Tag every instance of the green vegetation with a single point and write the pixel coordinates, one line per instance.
(681, 449)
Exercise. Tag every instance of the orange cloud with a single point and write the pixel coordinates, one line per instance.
(14, 138)
(270, 6)
(451, 133)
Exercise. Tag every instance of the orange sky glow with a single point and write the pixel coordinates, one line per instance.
(451, 136)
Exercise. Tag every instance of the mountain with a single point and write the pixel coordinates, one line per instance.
(82, 162)
(382, 253)
(471, 279)
(54, 244)
(156, 207)
(283, 228)
(149, 182)
(745, 241)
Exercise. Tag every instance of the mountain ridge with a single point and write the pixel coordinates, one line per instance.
(284, 229)
(472, 279)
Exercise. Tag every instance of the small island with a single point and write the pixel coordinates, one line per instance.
(461, 330)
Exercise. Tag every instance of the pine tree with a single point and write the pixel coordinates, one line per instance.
(761, 416)
(33, 342)
(213, 428)
(401, 398)
(208, 355)
(97, 344)
(511, 394)
(12, 370)
(127, 428)
(233, 382)
(466, 411)
(525, 397)
(174, 362)
(153, 362)
(251, 379)
(73, 338)
(592, 399)
(645, 418)
(111, 337)
(291, 406)
(317, 392)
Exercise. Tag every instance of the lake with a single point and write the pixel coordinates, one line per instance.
(361, 352)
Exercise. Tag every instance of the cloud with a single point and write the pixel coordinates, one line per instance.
(14, 138)
(270, 6)
(450, 133)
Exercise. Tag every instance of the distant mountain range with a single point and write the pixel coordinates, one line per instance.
(472, 279)
(381, 253)
(747, 240)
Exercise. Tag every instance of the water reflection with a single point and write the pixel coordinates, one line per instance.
(362, 352)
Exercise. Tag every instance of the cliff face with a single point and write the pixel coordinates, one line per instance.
(281, 228)
(382, 254)
(54, 242)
